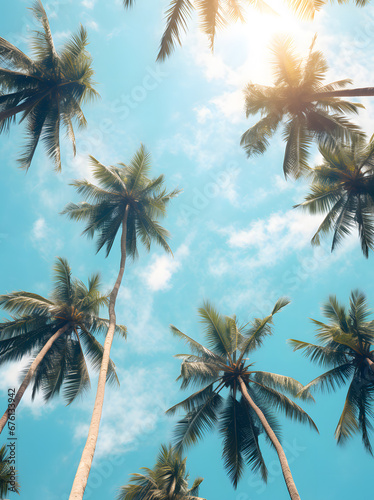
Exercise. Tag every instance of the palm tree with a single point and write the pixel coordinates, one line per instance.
(343, 189)
(59, 333)
(306, 9)
(213, 15)
(309, 109)
(8, 474)
(346, 347)
(127, 200)
(224, 365)
(168, 480)
(48, 90)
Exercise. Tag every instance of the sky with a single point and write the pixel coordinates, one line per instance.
(236, 240)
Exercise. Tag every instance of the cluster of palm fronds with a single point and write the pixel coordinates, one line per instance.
(312, 111)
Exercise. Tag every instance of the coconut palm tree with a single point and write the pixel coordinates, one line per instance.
(345, 346)
(8, 474)
(252, 397)
(307, 108)
(125, 200)
(306, 9)
(58, 333)
(213, 15)
(342, 188)
(168, 480)
(48, 90)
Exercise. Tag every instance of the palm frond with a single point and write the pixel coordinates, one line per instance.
(177, 17)
(286, 384)
(197, 421)
(216, 332)
(283, 403)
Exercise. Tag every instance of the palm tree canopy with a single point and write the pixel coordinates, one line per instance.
(213, 15)
(217, 368)
(306, 9)
(7, 474)
(168, 480)
(48, 90)
(343, 189)
(35, 319)
(345, 345)
(295, 101)
(120, 190)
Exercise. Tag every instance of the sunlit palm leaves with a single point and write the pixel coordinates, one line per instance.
(118, 188)
(297, 103)
(47, 91)
(8, 475)
(306, 9)
(168, 480)
(343, 189)
(345, 346)
(214, 371)
(213, 15)
(34, 319)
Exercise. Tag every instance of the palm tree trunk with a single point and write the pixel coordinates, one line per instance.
(370, 363)
(361, 92)
(269, 431)
(26, 381)
(84, 467)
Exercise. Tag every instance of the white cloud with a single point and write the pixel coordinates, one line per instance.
(281, 243)
(162, 267)
(93, 25)
(279, 234)
(145, 333)
(203, 114)
(89, 4)
(45, 238)
(231, 105)
(39, 229)
(131, 413)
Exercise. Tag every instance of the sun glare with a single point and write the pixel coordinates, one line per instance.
(255, 36)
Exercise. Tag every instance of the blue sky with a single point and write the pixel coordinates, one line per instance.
(235, 237)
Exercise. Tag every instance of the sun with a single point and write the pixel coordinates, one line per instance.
(250, 41)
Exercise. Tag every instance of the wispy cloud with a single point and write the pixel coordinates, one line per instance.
(45, 238)
(88, 4)
(132, 413)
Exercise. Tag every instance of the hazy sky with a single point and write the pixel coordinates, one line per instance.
(235, 237)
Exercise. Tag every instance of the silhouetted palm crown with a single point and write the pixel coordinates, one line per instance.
(126, 187)
(35, 319)
(213, 15)
(48, 90)
(168, 480)
(218, 367)
(296, 101)
(343, 189)
(346, 346)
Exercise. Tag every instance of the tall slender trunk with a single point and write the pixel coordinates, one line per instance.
(84, 467)
(269, 431)
(361, 92)
(26, 381)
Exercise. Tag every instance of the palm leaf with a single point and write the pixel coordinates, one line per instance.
(177, 16)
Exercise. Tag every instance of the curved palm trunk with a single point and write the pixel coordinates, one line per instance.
(26, 381)
(84, 467)
(269, 431)
(370, 363)
(361, 92)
